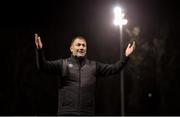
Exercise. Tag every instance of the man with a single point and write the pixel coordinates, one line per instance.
(78, 75)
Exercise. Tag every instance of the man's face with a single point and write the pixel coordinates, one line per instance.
(79, 47)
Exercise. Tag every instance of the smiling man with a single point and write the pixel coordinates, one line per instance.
(78, 47)
(78, 73)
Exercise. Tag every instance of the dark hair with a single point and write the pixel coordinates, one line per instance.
(78, 37)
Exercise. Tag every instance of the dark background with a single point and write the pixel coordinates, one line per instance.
(151, 76)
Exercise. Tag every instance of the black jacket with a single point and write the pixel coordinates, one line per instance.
(77, 94)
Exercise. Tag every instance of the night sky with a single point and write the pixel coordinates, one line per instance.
(151, 76)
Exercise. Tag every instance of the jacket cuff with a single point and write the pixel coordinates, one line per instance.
(125, 58)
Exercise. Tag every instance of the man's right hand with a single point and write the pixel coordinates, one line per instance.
(38, 41)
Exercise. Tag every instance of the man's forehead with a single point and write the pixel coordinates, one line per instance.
(79, 40)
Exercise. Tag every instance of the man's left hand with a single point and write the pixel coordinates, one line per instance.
(130, 48)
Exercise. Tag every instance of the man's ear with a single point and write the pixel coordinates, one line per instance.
(71, 49)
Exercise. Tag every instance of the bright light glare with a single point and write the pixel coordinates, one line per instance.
(119, 15)
(117, 10)
(120, 22)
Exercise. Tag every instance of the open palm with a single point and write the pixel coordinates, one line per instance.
(130, 49)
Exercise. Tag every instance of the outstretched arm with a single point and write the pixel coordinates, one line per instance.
(110, 69)
(41, 62)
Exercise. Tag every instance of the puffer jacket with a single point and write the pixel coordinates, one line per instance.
(76, 96)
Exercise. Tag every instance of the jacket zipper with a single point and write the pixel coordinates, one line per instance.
(79, 99)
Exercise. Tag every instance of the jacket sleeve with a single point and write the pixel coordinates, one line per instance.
(44, 65)
(110, 69)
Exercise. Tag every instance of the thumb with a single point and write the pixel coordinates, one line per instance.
(36, 35)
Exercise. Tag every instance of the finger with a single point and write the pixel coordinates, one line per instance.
(39, 39)
(36, 40)
(129, 45)
(134, 45)
(134, 42)
(36, 35)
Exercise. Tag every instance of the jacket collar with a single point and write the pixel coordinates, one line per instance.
(78, 60)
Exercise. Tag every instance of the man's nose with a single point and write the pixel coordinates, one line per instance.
(81, 47)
